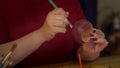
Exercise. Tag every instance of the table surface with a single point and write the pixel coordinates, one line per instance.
(101, 62)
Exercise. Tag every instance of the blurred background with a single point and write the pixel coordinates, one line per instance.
(105, 15)
(108, 19)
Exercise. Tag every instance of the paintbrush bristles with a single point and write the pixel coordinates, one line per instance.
(9, 53)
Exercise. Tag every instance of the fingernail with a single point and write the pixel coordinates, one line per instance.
(94, 31)
(91, 35)
(94, 39)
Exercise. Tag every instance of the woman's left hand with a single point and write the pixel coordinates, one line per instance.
(90, 50)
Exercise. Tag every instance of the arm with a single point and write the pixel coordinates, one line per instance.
(55, 22)
(26, 45)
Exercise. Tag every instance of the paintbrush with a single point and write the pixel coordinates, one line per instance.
(8, 55)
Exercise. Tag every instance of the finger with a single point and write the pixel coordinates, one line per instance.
(60, 30)
(100, 47)
(60, 20)
(59, 11)
(66, 21)
(59, 23)
(99, 33)
(67, 14)
(93, 35)
(100, 41)
(59, 17)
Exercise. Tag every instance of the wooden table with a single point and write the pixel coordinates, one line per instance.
(102, 62)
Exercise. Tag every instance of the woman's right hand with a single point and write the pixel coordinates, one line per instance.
(55, 22)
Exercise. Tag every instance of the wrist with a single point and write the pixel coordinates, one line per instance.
(86, 56)
(45, 34)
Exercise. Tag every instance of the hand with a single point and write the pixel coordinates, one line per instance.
(55, 22)
(92, 48)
